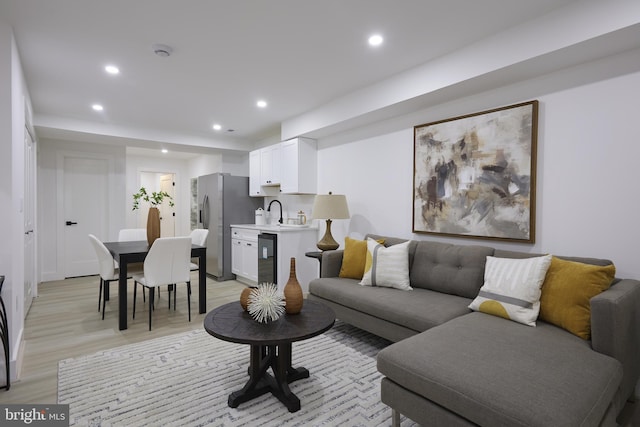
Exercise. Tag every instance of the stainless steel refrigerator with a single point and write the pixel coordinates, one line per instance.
(223, 200)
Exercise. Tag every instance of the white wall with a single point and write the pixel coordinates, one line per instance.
(50, 196)
(587, 196)
(6, 149)
(236, 164)
(14, 97)
(204, 164)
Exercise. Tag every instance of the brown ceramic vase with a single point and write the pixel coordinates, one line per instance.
(153, 225)
(244, 297)
(293, 296)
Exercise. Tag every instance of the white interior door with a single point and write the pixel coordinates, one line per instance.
(167, 213)
(29, 221)
(85, 212)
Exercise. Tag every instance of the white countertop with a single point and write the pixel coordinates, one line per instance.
(276, 228)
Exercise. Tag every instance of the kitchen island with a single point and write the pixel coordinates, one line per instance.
(292, 242)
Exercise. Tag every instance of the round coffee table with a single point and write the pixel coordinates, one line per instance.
(270, 347)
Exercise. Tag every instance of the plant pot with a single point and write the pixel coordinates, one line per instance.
(293, 296)
(153, 225)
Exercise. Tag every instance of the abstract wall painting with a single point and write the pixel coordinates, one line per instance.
(474, 175)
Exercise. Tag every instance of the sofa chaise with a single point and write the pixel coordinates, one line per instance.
(450, 365)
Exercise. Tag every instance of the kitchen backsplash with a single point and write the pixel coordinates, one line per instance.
(291, 204)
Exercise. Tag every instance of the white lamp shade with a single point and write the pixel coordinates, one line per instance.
(330, 206)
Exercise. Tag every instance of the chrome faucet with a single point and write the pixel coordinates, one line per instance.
(269, 209)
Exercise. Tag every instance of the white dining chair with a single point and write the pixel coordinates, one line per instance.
(167, 263)
(107, 269)
(198, 237)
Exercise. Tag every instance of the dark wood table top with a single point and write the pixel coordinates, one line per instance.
(135, 249)
(128, 246)
(231, 323)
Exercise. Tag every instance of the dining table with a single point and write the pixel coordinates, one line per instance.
(136, 251)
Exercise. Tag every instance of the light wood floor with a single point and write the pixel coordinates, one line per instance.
(64, 322)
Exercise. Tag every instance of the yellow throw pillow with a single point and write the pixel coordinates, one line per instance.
(353, 258)
(567, 291)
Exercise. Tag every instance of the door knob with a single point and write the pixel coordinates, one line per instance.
(71, 223)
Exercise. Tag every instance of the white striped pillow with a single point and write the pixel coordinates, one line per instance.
(387, 267)
(512, 288)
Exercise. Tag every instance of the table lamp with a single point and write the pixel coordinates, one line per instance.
(329, 206)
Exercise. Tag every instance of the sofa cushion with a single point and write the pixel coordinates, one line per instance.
(387, 267)
(567, 292)
(512, 288)
(419, 309)
(451, 269)
(497, 373)
(501, 253)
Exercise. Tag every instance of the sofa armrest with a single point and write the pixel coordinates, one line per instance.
(331, 263)
(615, 328)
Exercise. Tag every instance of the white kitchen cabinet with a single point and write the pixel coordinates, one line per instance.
(236, 256)
(270, 163)
(292, 242)
(244, 254)
(255, 187)
(290, 167)
(299, 168)
(250, 260)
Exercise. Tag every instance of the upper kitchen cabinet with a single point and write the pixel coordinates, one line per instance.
(299, 168)
(290, 167)
(255, 187)
(270, 164)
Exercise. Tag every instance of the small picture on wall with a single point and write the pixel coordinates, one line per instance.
(474, 175)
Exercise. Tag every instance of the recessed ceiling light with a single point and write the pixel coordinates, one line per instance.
(375, 40)
(217, 126)
(165, 151)
(261, 103)
(112, 69)
(97, 107)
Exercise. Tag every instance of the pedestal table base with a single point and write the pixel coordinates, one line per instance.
(278, 358)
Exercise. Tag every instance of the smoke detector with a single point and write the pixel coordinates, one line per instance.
(162, 50)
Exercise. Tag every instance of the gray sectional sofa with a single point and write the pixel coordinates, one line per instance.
(450, 366)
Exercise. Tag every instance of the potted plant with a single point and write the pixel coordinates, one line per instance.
(153, 219)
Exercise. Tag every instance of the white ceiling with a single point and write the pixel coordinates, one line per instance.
(296, 54)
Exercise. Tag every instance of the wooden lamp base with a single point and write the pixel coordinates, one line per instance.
(327, 243)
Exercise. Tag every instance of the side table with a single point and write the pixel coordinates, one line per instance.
(317, 255)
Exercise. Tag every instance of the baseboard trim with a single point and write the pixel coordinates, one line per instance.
(17, 358)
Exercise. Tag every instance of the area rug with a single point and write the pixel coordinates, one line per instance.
(185, 379)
